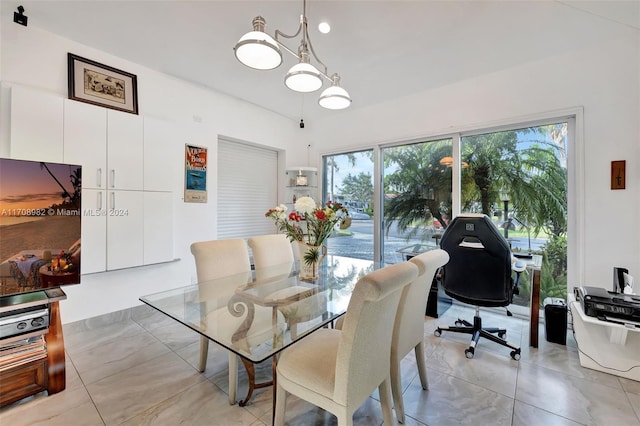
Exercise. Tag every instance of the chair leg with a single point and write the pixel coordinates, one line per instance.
(281, 401)
(422, 367)
(204, 352)
(396, 388)
(233, 377)
(345, 417)
(385, 400)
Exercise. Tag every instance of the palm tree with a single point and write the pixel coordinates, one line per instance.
(533, 177)
(420, 188)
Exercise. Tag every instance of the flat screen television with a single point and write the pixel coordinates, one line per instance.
(40, 225)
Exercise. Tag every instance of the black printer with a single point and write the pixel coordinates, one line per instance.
(609, 306)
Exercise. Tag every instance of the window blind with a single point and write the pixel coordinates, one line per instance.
(247, 188)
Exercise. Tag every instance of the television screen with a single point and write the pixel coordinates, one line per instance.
(40, 225)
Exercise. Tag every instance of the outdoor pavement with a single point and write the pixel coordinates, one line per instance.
(360, 243)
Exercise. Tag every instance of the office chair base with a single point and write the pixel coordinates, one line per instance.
(477, 332)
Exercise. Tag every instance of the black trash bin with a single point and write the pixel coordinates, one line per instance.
(555, 320)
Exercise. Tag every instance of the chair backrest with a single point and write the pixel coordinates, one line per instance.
(269, 251)
(408, 328)
(479, 269)
(362, 360)
(221, 258)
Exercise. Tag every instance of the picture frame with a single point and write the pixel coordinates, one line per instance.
(618, 174)
(98, 84)
(195, 174)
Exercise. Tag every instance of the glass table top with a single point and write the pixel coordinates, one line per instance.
(259, 313)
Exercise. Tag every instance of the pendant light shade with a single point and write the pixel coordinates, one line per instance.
(334, 96)
(303, 77)
(257, 49)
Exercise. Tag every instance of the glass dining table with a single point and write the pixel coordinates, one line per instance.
(258, 314)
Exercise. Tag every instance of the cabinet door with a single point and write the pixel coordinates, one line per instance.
(124, 150)
(94, 231)
(36, 125)
(124, 229)
(158, 227)
(85, 141)
(163, 155)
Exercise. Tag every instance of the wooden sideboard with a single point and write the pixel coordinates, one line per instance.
(34, 367)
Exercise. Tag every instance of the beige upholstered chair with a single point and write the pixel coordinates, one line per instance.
(337, 370)
(272, 255)
(408, 329)
(217, 259)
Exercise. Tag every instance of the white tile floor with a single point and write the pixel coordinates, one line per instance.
(138, 367)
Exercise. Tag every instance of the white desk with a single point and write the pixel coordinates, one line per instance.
(606, 346)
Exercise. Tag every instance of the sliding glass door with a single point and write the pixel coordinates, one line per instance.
(348, 179)
(519, 178)
(417, 197)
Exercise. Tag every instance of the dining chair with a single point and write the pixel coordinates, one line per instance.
(216, 259)
(337, 370)
(273, 256)
(408, 328)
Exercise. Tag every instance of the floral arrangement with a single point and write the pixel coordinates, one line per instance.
(320, 220)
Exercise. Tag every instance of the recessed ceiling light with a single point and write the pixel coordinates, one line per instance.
(324, 27)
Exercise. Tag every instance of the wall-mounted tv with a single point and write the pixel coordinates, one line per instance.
(40, 225)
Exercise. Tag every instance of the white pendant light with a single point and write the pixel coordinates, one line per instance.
(334, 96)
(257, 49)
(303, 77)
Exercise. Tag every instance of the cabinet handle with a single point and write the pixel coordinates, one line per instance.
(113, 200)
(113, 178)
(99, 200)
(99, 177)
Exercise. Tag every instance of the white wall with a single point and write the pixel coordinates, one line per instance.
(604, 79)
(39, 59)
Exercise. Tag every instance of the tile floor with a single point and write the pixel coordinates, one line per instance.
(138, 367)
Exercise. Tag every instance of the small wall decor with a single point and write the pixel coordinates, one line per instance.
(195, 178)
(102, 85)
(618, 174)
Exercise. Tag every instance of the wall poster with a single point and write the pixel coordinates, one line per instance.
(195, 178)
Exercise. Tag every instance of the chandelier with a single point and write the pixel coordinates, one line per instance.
(258, 50)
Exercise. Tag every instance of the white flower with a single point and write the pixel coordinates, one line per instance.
(305, 205)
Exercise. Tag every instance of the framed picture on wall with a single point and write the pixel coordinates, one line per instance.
(102, 85)
(195, 174)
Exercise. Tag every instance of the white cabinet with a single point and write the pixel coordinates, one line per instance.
(107, 143)
(125, 221)
(158, 227)
(301, 182)
(122, 225)
(85, 141)
(124, 150)
(36, 125)
(94, 231)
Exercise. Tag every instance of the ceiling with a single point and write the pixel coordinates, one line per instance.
(382, 50)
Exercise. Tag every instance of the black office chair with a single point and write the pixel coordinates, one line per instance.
(478, 273)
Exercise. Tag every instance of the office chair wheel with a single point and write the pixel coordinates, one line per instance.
(515, 355)
(469, 353)
(437, 332)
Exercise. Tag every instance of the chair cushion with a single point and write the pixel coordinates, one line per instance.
(318, 350)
